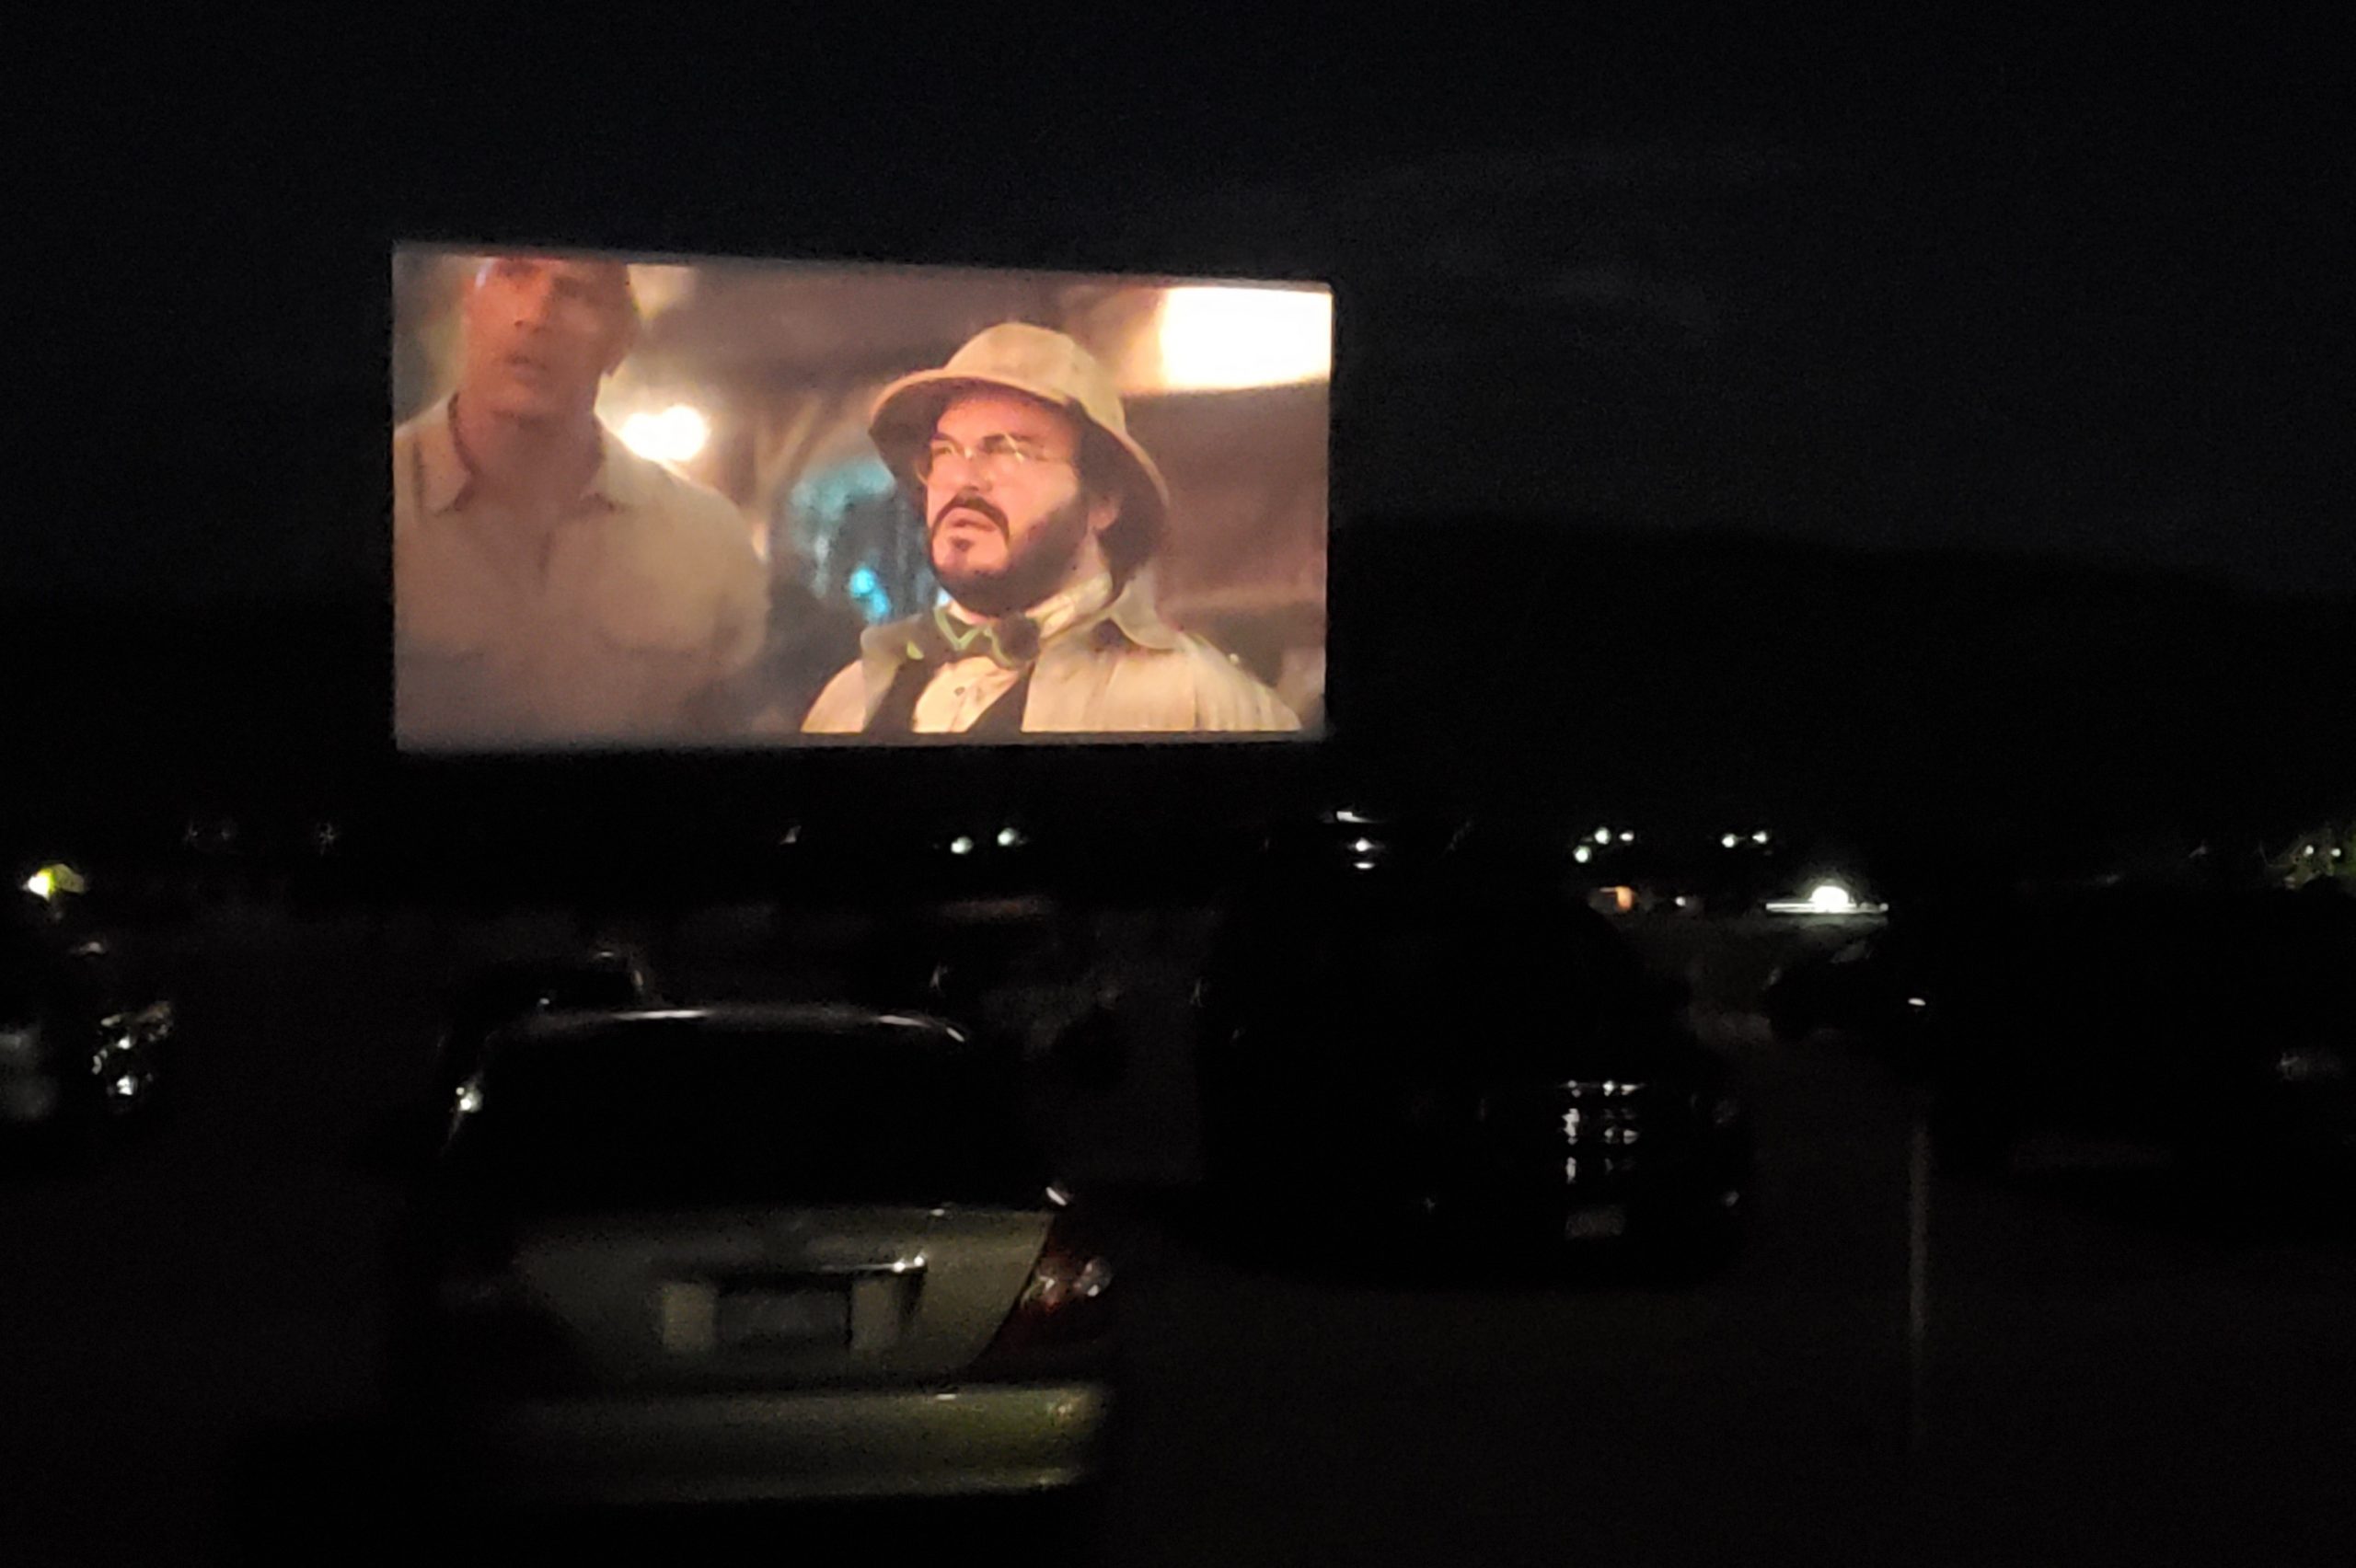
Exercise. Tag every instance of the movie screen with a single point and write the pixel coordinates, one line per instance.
(719, 503)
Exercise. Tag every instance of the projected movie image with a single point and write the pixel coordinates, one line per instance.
(649, 505)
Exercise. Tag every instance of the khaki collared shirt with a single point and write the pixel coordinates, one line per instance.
(648, 594)
(965, 688)
(1117, 669)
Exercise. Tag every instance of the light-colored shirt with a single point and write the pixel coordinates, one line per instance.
(608, 625)
(1118, 669)
(964, 687)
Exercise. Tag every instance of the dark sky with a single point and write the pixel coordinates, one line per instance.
(2080, 293)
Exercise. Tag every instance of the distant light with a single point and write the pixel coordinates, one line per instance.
(1759, 837)
(1831, 898)
(1603, 836)
(1219, 339)
(1583, 854)
(1350, 816)
(1009, 837)
(1682, 900)
(1627, 839)
(53, 879)
(2335, 854)
(960, 845)
(1730, 840)
(2314, 1064)
(1363, 865)
(1626, 899)
(469, 1097)
(1916, 1002)
(2308, 850)
(1363, 846)
(124, 1086)
(675, 435)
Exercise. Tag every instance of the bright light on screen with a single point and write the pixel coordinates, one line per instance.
(675, 435)
(801, 582)
(1227, 339)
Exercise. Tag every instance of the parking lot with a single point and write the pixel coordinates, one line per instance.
(191, 1333)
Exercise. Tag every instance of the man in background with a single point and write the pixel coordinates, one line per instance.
(550, 586)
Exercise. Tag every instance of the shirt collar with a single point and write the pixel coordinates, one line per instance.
(619, 481)
(1054, 615)
(1131, 614)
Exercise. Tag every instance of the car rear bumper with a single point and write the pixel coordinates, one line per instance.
(967, 1441)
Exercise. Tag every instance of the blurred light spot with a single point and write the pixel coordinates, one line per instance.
(960, 845)
(675, 435)
(1215, 338)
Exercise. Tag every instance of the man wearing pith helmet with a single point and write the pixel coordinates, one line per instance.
(1039, 511)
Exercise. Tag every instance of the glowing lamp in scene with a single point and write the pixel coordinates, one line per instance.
(54, 878)
(1729, 841)
(1825, 898)
(1216, 339)
(1583, 854)
(675, 435)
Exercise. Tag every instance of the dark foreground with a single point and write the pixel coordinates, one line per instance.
(2106, 1375)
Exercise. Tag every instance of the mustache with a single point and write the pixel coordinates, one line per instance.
(969, 501)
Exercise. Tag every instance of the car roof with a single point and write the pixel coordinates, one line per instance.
(793, 1024)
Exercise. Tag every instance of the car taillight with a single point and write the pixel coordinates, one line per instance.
(1066, 1301)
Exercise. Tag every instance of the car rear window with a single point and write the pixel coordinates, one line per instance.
(665, 1116)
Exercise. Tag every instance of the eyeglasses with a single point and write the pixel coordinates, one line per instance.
(993, 458)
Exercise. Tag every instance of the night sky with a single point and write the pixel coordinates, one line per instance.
(2080, 294)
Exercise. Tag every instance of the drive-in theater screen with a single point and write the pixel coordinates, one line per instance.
(664, 504)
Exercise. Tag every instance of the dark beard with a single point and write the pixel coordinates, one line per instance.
(1034, 569)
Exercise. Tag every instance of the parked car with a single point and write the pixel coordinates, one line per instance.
(752, 1252)
(601, 977)
(1874, 991)
(1410, 1037)
(2213, 1025)
(84, 1044)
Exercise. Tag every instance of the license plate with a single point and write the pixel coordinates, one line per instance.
(1600, 1223)
(773, 1319)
